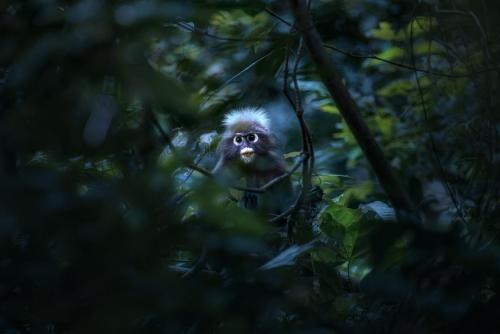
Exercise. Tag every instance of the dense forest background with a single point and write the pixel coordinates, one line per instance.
(110, 112)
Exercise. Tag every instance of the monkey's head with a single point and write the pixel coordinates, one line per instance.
(247, 135)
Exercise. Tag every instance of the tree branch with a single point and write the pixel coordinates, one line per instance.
(401, 65)
(274, 181)
(166, 138)
(192, 29)
(412, 67)
(348, 109)
(291, 209)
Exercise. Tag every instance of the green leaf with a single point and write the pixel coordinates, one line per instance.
(328, 182)
(290, 155)
(326, 255)
(341, 215)
(386, 33)
(391, 53)
(397, 87)
(329, 108)
(357, 192)
(341, 224)
(384, 124)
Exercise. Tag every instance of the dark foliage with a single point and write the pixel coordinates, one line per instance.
(109, 118)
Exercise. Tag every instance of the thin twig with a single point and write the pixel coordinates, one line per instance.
(190, 173)
(228, 81)
(410, 67)
(299, 112)
(351, 54)
(276, 16)
(306, 138)
(198, 265)
(473, 16)
(397, 64)
(291, 209)
(285, 78)
(168, 141)
(191, 28)
(426, 119)
(274, 181)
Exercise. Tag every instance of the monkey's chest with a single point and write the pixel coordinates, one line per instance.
(262, 171)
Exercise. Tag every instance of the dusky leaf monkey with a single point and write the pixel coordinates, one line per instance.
(248, 149)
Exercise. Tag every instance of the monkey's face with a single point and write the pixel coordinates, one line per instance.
(246, 146)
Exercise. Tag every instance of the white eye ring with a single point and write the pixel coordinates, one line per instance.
(252, 138)
(237, 140)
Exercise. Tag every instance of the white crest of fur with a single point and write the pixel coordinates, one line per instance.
(247, 115)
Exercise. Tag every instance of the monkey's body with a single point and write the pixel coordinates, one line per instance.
(247, 149)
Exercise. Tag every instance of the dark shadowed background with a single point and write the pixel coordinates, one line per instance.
(104, 229)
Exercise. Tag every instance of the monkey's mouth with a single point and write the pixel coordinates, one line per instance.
(247, 155)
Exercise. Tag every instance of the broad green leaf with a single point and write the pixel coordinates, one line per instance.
(341, 224)
(357, 192)
(341, 215)
(328, 182)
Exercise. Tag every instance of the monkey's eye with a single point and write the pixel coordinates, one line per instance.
(237, 140)
(252, 138)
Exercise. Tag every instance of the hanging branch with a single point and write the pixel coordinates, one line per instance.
(296, 104)
(307, 147)
(299, 112)
(433, 146)
(198, 265)
(348, 109)
(291, 209)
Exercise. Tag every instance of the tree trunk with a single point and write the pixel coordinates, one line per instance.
(348, 109)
